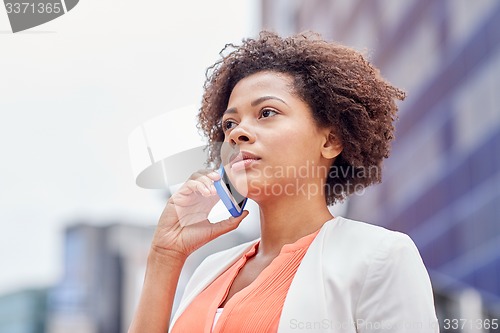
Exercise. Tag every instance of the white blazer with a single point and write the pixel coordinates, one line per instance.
(355, 277)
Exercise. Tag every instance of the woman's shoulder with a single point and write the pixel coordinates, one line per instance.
(343, 234)
(354, 251)
(360, 229)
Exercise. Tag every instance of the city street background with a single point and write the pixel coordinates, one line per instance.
(74, 227)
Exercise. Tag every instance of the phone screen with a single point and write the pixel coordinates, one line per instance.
(236, 198)
(231, 198)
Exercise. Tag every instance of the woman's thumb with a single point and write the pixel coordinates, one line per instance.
(227, 225)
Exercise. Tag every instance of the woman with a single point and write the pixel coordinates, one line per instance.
(311, 122)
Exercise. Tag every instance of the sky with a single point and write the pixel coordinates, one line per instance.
(71, 92)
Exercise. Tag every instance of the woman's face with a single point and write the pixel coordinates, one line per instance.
(277, 148)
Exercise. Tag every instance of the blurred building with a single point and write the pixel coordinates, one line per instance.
(23, 311)
(441, 184)
(103, 274)
(104, 270)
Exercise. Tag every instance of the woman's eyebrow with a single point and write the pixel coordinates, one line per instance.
(255, 103)
(265, 98)
(230, 110)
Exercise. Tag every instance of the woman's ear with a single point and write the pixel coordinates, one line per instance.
(332, 146)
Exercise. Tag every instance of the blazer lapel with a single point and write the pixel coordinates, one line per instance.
(207, 272)
(305, 303)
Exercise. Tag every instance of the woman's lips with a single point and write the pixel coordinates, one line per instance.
(243, 164)
(243, 160)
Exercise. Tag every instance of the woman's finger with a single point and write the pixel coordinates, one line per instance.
(195, 186)
(207, 177)
(227, 225)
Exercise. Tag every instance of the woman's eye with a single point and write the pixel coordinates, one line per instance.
(268, 113)
(227, 125)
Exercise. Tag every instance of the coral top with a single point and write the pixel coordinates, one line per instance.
(255, 308)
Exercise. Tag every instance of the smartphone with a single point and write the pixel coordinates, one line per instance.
(234, 201)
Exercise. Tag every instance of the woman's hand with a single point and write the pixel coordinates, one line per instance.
(183, 226)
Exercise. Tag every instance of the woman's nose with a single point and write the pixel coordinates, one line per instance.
(240, 138)
(241, 135)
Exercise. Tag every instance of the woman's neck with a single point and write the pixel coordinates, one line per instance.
(284, 220)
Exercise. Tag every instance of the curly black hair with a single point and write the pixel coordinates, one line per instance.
(345, 92)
